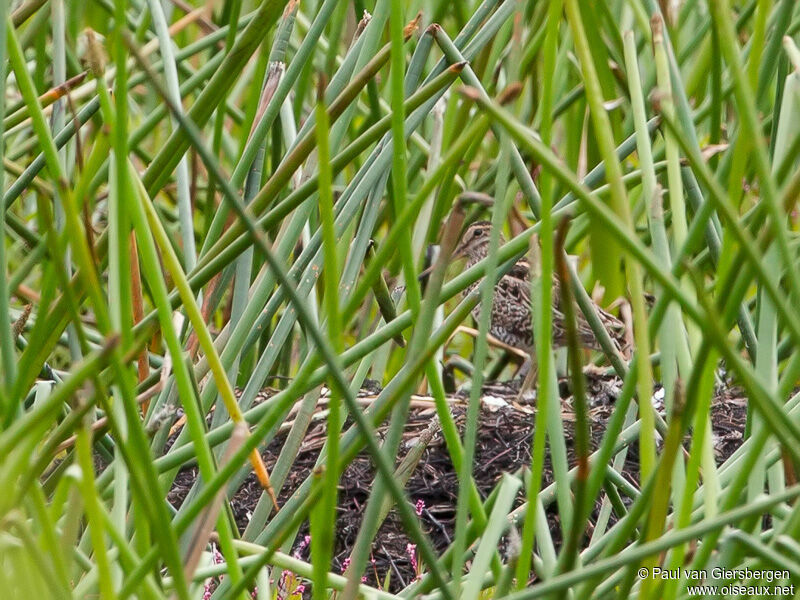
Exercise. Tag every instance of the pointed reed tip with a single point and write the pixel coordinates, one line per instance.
(19, 324)
(364, 21)
(412, 26)
(291, 7)
(458, 67)
(561, 232)
(510, 93)
(276, 67)
(94, 58)
(433, 29)
(112, 341)
(657, 97)
(322, 84)
(469, 92)
(792, 52)
(657, 27)
(76, 80)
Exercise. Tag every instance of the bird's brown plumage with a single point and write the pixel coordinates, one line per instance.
(511, 321)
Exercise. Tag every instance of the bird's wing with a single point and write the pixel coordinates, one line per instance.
(515, 288)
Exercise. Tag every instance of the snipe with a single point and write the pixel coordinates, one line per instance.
(511, 321)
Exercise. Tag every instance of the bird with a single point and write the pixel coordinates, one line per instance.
(511, 316)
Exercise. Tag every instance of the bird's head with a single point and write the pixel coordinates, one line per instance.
(474, 245)
(475, 241)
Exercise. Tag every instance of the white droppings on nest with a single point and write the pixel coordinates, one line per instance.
(494, 403)
(716, 443)
(612, 104)
(658, 400)
(178, 320)
(514, 546)
(529, 396)
(73, 472)
(426, 435)
(157, 420)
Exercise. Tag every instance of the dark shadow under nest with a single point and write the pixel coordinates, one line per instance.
(504, 440)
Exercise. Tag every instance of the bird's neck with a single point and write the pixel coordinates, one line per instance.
(477, 256)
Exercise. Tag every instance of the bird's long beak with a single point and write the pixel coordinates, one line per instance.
(423, 276)
(458, 253)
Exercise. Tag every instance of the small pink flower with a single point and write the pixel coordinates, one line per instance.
(303, 545)
(411, 550)
(345, 564)
(300, 589)
(419, 507)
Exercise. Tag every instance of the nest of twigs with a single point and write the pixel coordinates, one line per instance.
(504, 440)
